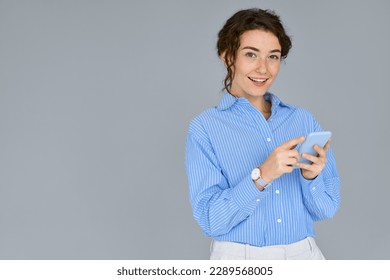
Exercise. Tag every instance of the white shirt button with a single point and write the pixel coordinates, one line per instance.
(269, 139)
(258, 200)
(279, 221)
(277, 192)
(313, 188)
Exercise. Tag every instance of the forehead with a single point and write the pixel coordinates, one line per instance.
(259, 39)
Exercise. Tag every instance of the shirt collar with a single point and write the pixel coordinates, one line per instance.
(229, 100)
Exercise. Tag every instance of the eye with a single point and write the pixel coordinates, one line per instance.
(274, 57)
(250, 55)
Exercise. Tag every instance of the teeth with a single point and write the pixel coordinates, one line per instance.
(258, 80)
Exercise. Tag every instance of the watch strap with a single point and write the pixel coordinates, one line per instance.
(263, 183)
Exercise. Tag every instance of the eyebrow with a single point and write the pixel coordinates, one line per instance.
(257, 50)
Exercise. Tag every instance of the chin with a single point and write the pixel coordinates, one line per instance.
(258, 93)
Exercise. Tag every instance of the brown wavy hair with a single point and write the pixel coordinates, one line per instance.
(245, 20)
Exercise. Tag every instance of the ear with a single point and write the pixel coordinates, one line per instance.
(223, 59)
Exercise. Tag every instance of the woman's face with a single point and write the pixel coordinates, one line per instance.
(257, 64)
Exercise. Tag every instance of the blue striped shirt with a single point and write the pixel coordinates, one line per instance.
(224, 144)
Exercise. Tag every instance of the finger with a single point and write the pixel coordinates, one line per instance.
(289, 169)
(321, 152)
(309, 166)
(304, 166)
(291, 161)
(312, 158)
(327, 145)
(292, 154)
(288, 145)
(312, 169)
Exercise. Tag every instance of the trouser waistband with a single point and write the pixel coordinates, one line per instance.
(304, 248)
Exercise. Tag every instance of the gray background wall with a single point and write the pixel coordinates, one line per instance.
(95, 100)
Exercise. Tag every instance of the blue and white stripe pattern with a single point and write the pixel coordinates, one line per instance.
(224, 144)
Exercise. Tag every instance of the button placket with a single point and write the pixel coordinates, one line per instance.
(263, 126)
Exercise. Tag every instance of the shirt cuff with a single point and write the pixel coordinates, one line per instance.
(247, 196)
(312, 187)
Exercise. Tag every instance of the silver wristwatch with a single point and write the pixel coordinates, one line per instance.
(256, 176)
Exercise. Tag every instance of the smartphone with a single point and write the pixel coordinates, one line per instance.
(314, 138)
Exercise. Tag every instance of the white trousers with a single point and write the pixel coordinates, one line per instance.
(305, 249)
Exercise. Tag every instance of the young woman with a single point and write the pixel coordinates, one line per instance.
(247, 189)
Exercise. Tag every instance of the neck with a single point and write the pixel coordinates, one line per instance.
(259, 103)
(263, 106)
(266, 110)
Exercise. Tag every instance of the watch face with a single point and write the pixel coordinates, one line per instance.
(255, 174)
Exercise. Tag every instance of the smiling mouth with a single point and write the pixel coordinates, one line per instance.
(259, 81)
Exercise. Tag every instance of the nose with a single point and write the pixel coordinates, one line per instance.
(261, 66)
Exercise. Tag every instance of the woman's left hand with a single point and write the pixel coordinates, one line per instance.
(310, 171)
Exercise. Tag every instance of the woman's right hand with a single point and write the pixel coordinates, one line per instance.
(281, 160)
